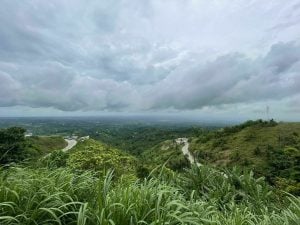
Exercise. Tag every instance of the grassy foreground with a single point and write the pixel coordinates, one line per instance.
(198, 196)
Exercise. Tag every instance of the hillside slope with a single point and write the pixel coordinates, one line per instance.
(167, 151)
(268, 148)
(46, 144)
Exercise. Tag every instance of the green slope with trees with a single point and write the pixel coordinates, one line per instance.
(14, 147)
(270, 149)
(46, 144)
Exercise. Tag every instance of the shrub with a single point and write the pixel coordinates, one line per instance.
(12, 145)
(257, 151)
(56, 159)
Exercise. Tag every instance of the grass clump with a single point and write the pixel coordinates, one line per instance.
(30, 196)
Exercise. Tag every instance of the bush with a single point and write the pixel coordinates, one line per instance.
(257, 151)
(93, 155)
(56, 159)
(12, 145)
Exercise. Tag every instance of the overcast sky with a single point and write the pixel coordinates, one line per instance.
(212, 59)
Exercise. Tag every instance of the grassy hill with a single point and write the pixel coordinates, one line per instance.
(268, 148)
(46, 144)
(14, 147)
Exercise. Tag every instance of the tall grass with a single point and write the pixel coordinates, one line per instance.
(199, 196)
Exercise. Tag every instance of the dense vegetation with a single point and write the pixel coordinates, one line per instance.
(168, 152)
(269, 149)
(198, 196)
(98, 183)
(14, 147)
(93, 155)
(46, 144)
(132, 136)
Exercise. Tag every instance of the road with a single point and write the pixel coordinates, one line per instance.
(185, 150)
(191, 158)
(71, 144)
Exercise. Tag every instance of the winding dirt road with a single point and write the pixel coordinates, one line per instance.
(185, 150)
(71, 144)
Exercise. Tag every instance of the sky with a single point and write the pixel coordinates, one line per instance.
(225, 59)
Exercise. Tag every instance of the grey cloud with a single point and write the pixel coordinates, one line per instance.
(9, 90)
(233, 79)
(107, 94)
(228, 79)
(130, 55)
(282, 56)
(293, 104)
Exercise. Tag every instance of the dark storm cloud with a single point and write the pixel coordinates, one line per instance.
(129, 55)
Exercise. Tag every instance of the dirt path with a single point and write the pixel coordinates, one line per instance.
(71, 144)
(185, 150)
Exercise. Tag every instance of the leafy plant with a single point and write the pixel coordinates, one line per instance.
(201, 196)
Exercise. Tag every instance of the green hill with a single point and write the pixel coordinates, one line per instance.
(46, 144)
(14, 147)
(268, 148)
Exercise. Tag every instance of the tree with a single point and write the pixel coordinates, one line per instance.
(12, 145)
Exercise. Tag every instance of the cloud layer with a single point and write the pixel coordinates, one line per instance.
(149, 55)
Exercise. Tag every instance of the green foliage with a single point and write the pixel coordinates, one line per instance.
(45, 144)
(167, 151)
(142, 171)
(199, 196)
(54, 160)
(268, 148)
(230, 187)
(127, 134)
(86, 191)
(12, 145)
(235, 156)
(288, 185)
(218, 142)
(284, 169)
(250, 123)
(257, 151)
(43, 197)
(138, 138)
(93, 155)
